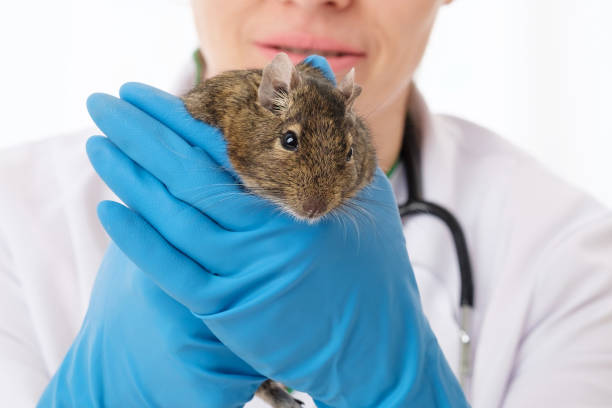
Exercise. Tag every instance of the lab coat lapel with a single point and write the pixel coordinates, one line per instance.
(428, 241)
(496, 328)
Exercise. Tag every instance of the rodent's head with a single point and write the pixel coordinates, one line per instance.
(311, 152)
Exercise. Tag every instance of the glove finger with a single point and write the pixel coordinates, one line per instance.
(176, 274)
(170, 110)
(203, 293)
(321, 63)
(189, 173)
(185, 227)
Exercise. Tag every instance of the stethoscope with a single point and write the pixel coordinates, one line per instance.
(416, 204)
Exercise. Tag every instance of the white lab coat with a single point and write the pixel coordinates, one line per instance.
(541, 253)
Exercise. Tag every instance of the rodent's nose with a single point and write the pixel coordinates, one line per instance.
(314, 205)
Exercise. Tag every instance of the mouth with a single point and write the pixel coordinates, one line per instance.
(309, 51)
(298, 46)
(308, 218)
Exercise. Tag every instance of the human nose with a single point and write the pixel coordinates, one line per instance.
(311, 4)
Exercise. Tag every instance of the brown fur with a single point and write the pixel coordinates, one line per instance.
(317, 111)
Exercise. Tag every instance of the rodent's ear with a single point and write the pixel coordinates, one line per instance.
(279, 77)
(349, 88)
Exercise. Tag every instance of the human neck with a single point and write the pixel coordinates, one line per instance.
(387, 127)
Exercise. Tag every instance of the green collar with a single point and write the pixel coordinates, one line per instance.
(197, 58)
(392, 169)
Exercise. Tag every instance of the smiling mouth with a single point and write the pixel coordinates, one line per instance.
(310, 51)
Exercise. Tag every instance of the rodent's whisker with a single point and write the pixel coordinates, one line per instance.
(370, 217)
(369, 113)
(357, 229)
(338, 213)
(374, 202)
(207, 189)
(360, 211)
(201, 189)
(193, 170)
(226, 184)
(278, 211)
(363, 211)
(200, 167)
(373, 187)
(162, 140)
(219, 198)
(345, 210)
(356, 209)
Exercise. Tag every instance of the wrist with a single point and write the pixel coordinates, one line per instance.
(424, 377)
(434, 385)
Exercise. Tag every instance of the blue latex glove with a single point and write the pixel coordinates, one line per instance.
(324, 308)
(138, 347)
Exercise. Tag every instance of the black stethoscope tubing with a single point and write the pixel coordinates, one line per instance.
(415, 205)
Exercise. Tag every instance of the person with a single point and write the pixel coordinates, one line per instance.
(142, 336)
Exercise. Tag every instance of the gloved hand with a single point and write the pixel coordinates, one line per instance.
(138, 347)
(329, 309)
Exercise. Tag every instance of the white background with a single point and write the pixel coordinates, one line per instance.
(539, 72)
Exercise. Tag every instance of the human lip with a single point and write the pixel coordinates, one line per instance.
(298, 46)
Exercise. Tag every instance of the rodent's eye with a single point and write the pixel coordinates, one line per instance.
(349, 155)
(289, 140)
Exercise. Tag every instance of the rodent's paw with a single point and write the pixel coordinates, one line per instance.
(295, 403)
